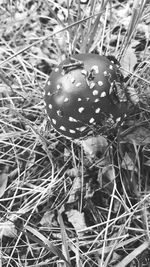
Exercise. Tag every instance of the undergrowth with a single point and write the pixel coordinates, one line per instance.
(60, 205)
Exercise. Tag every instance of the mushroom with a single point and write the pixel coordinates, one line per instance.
(84, 94)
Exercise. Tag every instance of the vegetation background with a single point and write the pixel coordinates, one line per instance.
(61, 203)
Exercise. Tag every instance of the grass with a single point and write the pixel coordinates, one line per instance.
(60, 206)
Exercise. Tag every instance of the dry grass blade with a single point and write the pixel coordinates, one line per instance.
(133, 254)
(92, 28)
(68, 205)
(42, 39)
(42, 240)
(138, 8)
(64, 237)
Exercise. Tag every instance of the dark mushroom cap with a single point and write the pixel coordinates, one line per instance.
(81, 93)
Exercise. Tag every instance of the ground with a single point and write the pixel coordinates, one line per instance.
(64, 202)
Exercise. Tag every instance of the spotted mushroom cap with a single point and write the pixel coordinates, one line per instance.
(81, 94)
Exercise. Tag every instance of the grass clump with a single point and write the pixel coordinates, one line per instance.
(59, 206)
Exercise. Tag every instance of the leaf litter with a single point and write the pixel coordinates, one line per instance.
(100, 189)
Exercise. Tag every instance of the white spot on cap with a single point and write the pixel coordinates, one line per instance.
(92, 84)
(103, 94)
(95, 68)
(49, 83)
(50, 106)
(72, 119)
(95, 92)
(72, 131)
(54, 121)
(118, 119)
(56, 69)
(100, 83)
(96, 100)
(79, 99)
(105, 73)
(91, 120)
(97, 110)
(44, 104)
(59, 113)
(72, 79)
(87, 98)
(78, 84)
(66, 99)
(84, 72)
(58, 86)
(49, 93)
(81, 129)
(81, 109)
(62, 128)
(111, 67)
(112, 61)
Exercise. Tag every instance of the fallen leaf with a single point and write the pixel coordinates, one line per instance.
(127, 163)
(106, 176)
(129, 60)
(140, 136)
(76, 187)
(49, 220)
(7, 229)
(77, 219)
(94, 145)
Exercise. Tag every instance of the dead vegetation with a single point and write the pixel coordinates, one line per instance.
(61, 203)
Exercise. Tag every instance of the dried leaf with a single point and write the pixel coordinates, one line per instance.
(108, 172)
(77, 219)
(129, 60)
(94, 145)
(140, 136)
(127, 163)
(7, 229)
(75, 188)
(49, 220)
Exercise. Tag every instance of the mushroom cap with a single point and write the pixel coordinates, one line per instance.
(81, 94)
